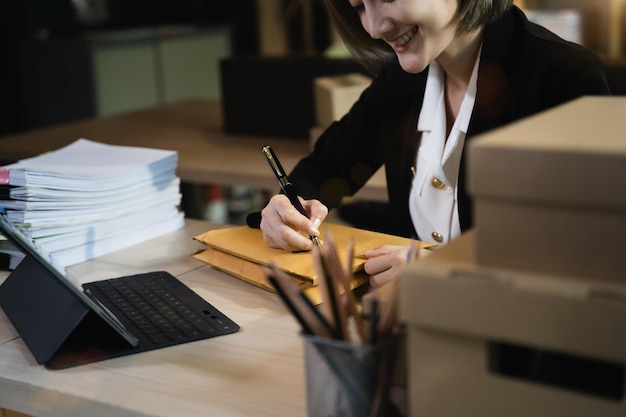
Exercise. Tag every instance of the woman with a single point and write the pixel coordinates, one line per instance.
(447, 71)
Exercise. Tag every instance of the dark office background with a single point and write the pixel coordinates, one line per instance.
(34, 21)
(24, 20)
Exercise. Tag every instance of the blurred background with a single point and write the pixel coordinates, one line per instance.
(65, 60)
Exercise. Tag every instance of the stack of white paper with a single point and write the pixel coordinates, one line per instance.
(89, 198)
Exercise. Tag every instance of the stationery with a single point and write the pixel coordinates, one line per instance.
(245, 244)
(352, 352)
(286, 186)
(89, 198)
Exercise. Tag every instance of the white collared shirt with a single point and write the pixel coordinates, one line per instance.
(433, 200)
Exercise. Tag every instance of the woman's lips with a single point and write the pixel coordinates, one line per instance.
(406, 38)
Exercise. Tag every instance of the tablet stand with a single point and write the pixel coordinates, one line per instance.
(58, 329)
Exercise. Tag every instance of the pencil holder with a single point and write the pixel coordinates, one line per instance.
(349, 380)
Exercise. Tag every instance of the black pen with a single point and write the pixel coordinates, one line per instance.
(286, 186)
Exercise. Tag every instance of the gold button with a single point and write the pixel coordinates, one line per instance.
(413, 172)
(437, 237)
(437, 183)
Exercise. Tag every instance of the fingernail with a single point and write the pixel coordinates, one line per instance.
(315, 224)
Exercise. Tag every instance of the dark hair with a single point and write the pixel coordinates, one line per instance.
(471, 15)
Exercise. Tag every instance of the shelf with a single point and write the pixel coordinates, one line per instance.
(603, 22)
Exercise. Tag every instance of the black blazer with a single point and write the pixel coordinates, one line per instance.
(524, 69)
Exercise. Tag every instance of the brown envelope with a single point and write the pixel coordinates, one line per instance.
(252, 273)
(247, 244)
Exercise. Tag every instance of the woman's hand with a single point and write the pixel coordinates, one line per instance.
(386, 262)
(284, 227)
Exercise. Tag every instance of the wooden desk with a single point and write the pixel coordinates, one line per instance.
(256, 372)
(191, 127)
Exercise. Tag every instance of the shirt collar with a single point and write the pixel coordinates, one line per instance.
(433, 94)
(467, 106)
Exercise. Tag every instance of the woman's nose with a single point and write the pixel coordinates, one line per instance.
(376, 23)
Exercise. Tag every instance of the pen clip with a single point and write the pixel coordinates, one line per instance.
(274, 163)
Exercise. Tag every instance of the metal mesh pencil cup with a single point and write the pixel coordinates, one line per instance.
(344, 379)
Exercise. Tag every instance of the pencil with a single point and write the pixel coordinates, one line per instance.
(299, 304)
(328, 287)
(352, 320)
(290, 305)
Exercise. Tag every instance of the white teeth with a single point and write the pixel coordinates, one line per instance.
(406, 37)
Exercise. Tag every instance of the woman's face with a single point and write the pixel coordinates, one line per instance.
(417, 30)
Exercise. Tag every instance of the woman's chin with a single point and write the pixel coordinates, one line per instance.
(412, 64)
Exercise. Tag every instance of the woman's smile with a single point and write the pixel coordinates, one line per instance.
(403, 40)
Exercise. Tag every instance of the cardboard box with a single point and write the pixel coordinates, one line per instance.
(493, 342)
(549, 191)
(335, 95)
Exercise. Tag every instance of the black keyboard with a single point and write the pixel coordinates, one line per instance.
(159, 309)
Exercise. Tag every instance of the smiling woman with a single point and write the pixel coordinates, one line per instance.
(469, 16)
(446, 71)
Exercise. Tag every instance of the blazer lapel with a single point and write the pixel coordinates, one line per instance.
(493, 106)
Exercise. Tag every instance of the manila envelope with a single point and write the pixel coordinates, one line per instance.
(252, 273)
(247, 244)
